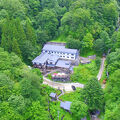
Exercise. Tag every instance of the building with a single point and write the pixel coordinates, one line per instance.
(53, 96)
(61, 51)
(56, 56)
(66, 105)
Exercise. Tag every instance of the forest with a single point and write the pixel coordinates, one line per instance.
(91, 26)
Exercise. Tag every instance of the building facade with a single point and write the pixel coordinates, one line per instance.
(56, 56)
(61, 51)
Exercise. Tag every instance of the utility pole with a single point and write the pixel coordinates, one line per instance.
(58, 114)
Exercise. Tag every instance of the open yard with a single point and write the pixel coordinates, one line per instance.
(61, 39)
(84, 72)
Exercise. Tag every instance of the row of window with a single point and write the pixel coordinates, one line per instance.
(59, 53)
(67, 57)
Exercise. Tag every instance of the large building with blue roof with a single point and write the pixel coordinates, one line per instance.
(56, 56)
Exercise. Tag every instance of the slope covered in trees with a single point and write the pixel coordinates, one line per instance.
(26, 25)
(21, 90)
(30, 24)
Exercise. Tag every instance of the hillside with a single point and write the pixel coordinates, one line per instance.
(90, 26)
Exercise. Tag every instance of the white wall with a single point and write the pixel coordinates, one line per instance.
(63, 55)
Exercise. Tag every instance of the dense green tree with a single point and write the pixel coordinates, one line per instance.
(6, 85)
(30, 34)
(47, 21)
(4, 80)
(88, 41)
(13, 7)
(113, 61)
(93, 95)
(103, 44)
(17, 102)
(112, 96)
(15, 47)
(7, 112)
(42, 37)
(79, 109)
(37, 112)
(73, 43)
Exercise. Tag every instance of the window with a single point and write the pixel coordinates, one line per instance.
(67, 57)
(66, 63)
(72, 54)
(72, 57)
(63, 56)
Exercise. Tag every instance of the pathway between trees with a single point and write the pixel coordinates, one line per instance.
(101, 68)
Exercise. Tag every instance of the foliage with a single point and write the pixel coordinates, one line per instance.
(84, 72)
(37, 112)
(19, 87)
(112, 96)
(93, 95)
(103, 44)
(79, 109)
(113, 61)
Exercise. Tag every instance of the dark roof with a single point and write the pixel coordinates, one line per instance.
(53, 95)
(65, 105)
(59, 48)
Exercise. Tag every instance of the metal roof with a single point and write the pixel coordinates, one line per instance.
(53, 58)
(43, 57)
(63, 64)
(65, 105)
(53, 95)
(58, 48)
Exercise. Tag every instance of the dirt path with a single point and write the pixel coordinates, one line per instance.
(101, 68)
(62, 86)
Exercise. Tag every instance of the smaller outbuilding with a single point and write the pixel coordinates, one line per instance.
(84, 118)
(53, 96)
(85, 61)
(66, 105)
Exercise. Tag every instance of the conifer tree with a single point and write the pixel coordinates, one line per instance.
(30, 34)
(21, 33)
(15, 47)
(6, 36)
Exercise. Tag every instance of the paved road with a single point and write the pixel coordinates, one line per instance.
(62, 86)
(101, 68)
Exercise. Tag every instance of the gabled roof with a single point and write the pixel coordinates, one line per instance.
(43, 57)
(65, 105)
(59, 49)
(53, 58)
(53, 95)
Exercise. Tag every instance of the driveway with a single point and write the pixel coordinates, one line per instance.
(101, 68)
(62, 86)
